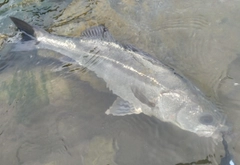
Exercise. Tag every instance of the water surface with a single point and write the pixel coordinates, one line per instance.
(53, 113)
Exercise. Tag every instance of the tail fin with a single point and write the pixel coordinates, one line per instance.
(29, 35)
(28, 30)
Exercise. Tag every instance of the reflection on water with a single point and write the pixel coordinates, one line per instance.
(100, 151)
(25, 89)
(52, 113)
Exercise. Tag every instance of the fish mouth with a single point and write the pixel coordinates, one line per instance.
(208, 130)
(216, 135)
(214, 132)
(205, 133)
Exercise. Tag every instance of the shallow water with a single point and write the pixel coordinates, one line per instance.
(52, 113)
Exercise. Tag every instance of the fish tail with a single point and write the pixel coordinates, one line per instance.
(28, 30)
(30, 35)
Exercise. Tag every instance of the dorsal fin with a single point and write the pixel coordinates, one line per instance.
(145, 55)
(98, 32)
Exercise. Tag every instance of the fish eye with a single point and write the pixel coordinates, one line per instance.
(206, 119)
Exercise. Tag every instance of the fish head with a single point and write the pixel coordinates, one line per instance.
(202, 117)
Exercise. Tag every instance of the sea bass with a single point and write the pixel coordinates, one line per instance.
(142, 83)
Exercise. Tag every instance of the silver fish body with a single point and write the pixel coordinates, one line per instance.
(142, 83)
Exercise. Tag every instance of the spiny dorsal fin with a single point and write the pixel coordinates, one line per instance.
(98, 32)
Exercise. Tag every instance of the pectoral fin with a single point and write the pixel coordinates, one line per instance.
(141, 97)
(121, 107)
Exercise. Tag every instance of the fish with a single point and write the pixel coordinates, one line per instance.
(141, 82)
